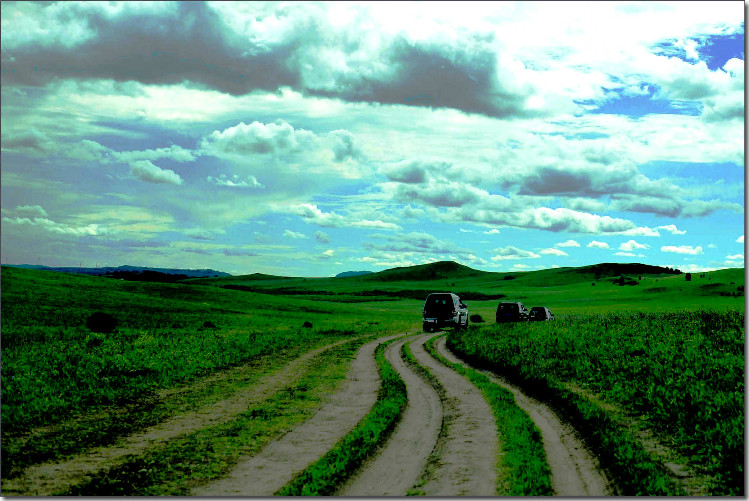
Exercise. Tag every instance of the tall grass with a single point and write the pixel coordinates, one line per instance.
(683, 370)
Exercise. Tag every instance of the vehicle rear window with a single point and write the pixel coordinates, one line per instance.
(437, 303)
(509, 308)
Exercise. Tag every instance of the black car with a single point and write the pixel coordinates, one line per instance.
(511, 312)
(444, 309)
(540, 313)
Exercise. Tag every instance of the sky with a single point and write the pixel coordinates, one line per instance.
(308, 139)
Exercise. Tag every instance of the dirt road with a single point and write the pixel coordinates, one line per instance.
(445, 444)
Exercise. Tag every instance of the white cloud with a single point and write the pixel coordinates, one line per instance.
(554, 252)
(568, 243)
(641, 232)
(311, 214)
(672, 228)
(682, 249)
(147, 171)
(57, 228)
(740, 239)
(235, 181)
(598, 245)
(174, 152)
(632, 245)
(294, 235)
(31, 211)
(735, 257)
(511, 252)
(493, 231)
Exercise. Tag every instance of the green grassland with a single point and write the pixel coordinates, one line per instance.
(65, 389)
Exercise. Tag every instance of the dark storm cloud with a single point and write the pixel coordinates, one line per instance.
(188, 43)
(192, 43)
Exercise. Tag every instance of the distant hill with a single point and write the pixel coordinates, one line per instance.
(352, 274)
(127, 272)
(615, 269)
(431, 271)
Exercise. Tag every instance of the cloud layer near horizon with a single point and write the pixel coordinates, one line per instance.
(239, 130)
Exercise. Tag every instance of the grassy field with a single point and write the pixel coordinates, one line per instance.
(682, 371)
(66, 389)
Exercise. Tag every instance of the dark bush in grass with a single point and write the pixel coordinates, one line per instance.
(101, 322)
(476, 318)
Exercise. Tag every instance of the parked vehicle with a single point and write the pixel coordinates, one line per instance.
(511, 312)
(540, 313)
(444, 309)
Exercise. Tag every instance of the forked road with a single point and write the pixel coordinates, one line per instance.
(444, 445)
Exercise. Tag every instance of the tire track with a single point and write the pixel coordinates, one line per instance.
(574, 470)
(48, 478)
(397, 467)
(467, 463)
(275, 465)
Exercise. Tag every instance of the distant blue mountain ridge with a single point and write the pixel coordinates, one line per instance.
(124, 269)
(352, 274)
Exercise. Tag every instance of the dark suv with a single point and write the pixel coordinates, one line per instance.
(540, 313)
(511, 312)
(444, 309)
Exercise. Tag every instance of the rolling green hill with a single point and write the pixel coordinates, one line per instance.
(587, 289)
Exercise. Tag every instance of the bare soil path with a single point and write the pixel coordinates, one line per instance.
(468, 458)
(275, 465)
(398, 466)
(574, 470)
(48, 478)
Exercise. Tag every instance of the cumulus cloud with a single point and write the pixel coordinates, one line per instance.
(174, 152)
(672, 228)
(682, 249)
(235, 181)
(632, 245)
(55, 227)
(31, 211)
(554, 252)
(414, 242)
(671, 206)
(294, 235)
(322, 237)
(598, 245)
(568, 243)
(257, 138)
(145, 170)
(237, 52)
(511, 252)
(311, 214)
(740, 239)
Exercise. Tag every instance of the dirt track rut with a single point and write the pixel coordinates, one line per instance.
(275, 465)
(402, 460)
(47, 478)
(574, 470)
(445, 444)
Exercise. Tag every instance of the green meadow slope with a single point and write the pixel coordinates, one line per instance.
(588, 289)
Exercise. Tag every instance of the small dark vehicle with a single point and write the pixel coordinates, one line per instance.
(540, 313)
(511, 312)
(444, 309)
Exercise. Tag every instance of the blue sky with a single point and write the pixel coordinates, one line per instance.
(314, 138)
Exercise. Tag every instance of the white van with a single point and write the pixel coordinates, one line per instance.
(444, 309)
